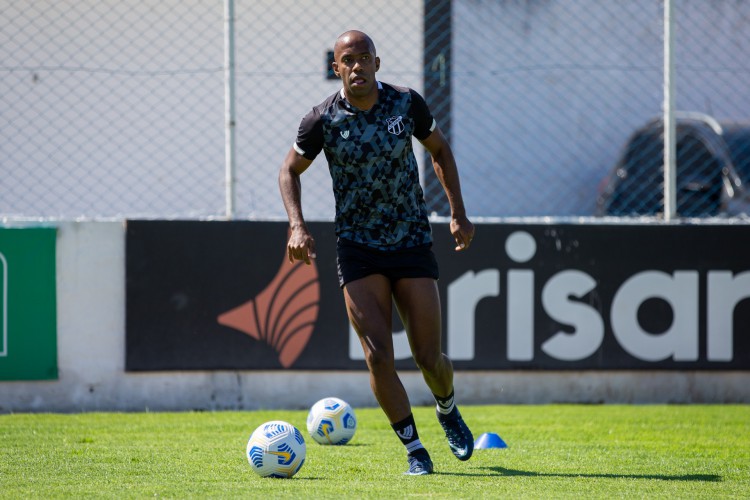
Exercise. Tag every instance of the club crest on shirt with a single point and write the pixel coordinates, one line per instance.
(395, 125)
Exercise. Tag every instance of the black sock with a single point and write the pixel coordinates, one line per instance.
(445, 405)
(406, 430)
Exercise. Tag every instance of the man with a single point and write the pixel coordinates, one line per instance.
(384, 238)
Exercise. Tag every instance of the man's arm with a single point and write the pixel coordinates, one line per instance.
(446, 170)
(301, 245)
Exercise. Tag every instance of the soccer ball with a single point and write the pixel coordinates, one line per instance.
(276, 449)
(331, 421)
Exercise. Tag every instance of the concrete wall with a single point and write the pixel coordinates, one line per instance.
(91, 360)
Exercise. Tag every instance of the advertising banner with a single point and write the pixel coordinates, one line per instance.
(28, 311)
(222, 295)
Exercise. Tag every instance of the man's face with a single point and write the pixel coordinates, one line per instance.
(356, 64)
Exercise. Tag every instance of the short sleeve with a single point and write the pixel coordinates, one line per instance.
(424, 123)
(309, 141)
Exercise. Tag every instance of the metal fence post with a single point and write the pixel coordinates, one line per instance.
(229, 107)
(670, 142)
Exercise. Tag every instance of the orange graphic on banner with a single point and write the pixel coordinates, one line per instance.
(283, 315)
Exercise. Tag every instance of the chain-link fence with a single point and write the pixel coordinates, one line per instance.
(118, 109)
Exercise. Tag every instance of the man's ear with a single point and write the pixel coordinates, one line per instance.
(335, 67)
(377, 63)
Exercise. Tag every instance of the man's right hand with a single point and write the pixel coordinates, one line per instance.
(301, 246)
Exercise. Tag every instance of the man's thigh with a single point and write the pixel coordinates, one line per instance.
(369, 307)
(418, 303)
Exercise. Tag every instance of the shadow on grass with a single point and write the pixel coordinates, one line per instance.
(503, 471)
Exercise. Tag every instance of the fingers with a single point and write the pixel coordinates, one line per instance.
(462, 244)
(301, 251)
(299, 254)
(307, 251)
(463, 240)
(289, 253)
(463, 232)
(311, 249)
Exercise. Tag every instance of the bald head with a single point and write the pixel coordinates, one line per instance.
(355, 62)
(352, 37)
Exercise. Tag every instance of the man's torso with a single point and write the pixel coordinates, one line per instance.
(379, 201)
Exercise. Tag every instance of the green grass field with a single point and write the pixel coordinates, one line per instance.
(554, 451)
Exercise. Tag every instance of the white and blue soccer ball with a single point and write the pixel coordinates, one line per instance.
(276, 449)
(331, 421)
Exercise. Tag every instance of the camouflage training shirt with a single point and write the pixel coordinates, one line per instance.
(379, 201)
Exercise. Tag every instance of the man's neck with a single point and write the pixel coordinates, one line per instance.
(365, 102)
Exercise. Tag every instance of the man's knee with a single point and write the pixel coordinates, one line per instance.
(428, 360)
(378, 358)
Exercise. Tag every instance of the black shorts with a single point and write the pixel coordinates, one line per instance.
(355, 261)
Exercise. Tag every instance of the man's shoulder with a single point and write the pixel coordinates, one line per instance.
(328, 103)
(397, 88)
(403, 94)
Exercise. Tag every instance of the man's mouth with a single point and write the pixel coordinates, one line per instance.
(358, 80)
